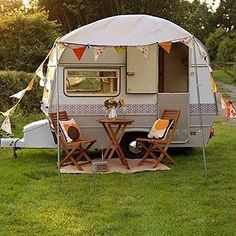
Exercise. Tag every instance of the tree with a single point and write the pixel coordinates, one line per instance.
(225, 15)
(25, 40)
(74, 13)
(227, 48)
(213, 42)
(8, 7)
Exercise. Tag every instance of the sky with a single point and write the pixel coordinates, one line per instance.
(26, 3)
(209, 2)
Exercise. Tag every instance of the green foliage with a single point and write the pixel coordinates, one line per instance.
(12, 82)
(70, 14)
(213, 42)
(196, 17)
(225, 15)
(9, 7)
(227, 49)
(175, 202)
(25, 40)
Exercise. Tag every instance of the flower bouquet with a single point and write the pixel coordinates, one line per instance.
(111, 104)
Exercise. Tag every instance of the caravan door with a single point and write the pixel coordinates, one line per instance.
(173, 86)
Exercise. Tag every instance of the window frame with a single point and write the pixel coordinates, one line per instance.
(117, 69)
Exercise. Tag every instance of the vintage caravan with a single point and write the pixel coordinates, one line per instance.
(151, 62)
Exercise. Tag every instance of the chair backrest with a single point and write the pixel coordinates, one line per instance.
(70, 130)
(171, 114)
(53, 118)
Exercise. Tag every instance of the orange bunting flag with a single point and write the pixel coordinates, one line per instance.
(97, 51)
(166, 46)
(144, 50)
(79, 52)
(120, 50)
(30, 85)
(231, 112)
(213, 85)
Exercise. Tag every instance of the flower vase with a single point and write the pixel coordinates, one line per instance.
(112, 113)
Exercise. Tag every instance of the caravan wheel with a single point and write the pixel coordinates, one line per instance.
(129, 145)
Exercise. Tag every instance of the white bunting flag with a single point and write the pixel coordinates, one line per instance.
(144, 50)
(19, 95)
(97, 51)
(61, 48)
(223, 105)
(6, 125)
(186, 41)
(10, 111)
(39, 71)
(231, 112)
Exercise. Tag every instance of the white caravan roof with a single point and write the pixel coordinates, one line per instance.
(126, 30)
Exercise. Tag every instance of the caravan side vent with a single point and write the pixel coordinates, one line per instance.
(193, 133)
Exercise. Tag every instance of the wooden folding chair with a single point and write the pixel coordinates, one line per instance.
(153, 145)
(74, 150)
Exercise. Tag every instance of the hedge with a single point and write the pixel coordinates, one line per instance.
(12, 82)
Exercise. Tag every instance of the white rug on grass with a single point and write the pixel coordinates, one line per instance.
(114, 165)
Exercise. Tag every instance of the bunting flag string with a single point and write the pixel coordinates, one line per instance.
(144, 50)
(6, 124)
(166, 46)
(226, 104)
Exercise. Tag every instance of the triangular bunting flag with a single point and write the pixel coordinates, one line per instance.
(39, 71)
(144, 50)
(97, 51)
(222, 101)
(30, 85)
(19, 95)
(186, 41)
(6, 125)
(201, 51)
(213, 85)
(120, 50)
(210, 69)
(61, 48)
(166, 46)
(10, 111)
(79, 52)
(231, 112)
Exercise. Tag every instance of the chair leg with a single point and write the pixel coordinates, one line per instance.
(163, 154)
(148, 151)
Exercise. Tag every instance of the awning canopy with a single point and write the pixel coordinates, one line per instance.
(126, 30)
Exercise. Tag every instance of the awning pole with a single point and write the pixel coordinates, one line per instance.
(58, 134)
(199, 110)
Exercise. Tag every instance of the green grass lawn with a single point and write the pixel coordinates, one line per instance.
(175, 202)
(222, 76)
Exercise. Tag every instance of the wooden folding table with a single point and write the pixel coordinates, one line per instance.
(115, 129)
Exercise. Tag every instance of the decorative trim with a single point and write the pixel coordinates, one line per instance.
(206, 109)
(129, 109)
(100, 110)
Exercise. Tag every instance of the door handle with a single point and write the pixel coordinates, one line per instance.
(130, 73)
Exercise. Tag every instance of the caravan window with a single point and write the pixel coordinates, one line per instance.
(91, 82)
